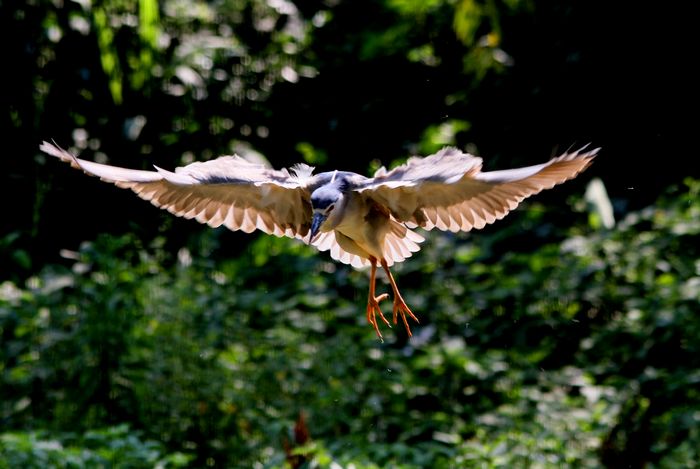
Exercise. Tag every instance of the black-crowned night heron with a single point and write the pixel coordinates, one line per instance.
(362, 221)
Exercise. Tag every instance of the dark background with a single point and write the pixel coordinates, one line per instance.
(616, 75)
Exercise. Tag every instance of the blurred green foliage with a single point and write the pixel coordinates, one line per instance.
(110, 447)
(545, 341)
(547, 354)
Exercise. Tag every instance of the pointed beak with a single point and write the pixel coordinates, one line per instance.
(316, 223)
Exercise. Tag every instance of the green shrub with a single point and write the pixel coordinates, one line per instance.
(110, 447)
(573, 352)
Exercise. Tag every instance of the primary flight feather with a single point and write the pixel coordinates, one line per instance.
(361, 221)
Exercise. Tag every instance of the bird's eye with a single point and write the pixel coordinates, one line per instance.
(330, 208)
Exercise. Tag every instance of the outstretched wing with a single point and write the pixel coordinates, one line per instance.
(448, 191)
(227, 191)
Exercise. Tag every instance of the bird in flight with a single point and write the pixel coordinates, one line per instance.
(362, 221)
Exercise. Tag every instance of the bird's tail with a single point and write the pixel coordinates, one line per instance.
(400, 243)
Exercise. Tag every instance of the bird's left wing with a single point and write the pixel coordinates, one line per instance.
(227, 191)
(448, 191)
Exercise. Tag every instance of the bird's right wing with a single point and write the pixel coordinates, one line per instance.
(227, 191)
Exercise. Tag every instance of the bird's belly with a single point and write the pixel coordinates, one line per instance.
(356, 242)
(366, 235)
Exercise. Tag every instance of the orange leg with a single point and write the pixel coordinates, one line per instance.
(400, 305)
(373, 300)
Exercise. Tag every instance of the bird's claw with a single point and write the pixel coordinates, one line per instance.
(373, 309)
(381, 298)
(400, 307)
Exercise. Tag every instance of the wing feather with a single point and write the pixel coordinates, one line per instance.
(227, 191)
(217, 218)
(448, 191)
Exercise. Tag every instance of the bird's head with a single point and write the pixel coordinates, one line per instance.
(327, 203)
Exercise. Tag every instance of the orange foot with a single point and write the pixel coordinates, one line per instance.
(400, 307)
(373, 309)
